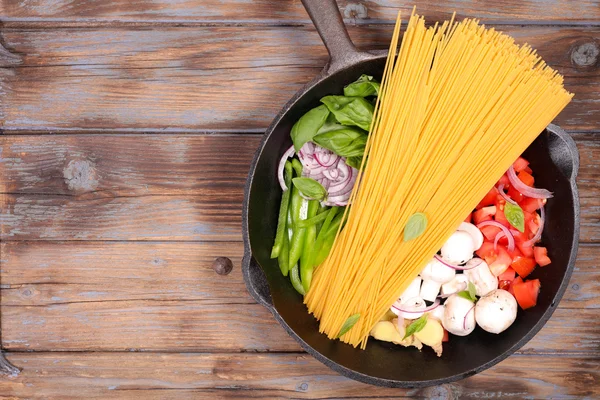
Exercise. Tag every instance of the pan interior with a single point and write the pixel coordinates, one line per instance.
(462, 356)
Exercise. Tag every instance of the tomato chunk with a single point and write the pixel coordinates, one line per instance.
(490, 232)
(520, 164)
(515, 194)
(523, 266)
(503, 181)
(501, 262)
(484, 214)
(526, 178)
(541, 256)
(529, 204)
(527, 293)
(446, 337)
(501, 218)
(486, 250)
(516, 281)
(489, 198)
(469, 218)
(508, 275)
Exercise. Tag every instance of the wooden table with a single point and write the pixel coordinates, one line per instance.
(128, 128)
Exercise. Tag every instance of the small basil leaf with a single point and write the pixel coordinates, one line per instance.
(514, 215)
(350, 322)
(416, 326)
(354, 162)
(465, 295)
(310, 188)
(472, 291)
(362, 87)
(415, 226)
(345, 141)
(308, 125)
(350, 111)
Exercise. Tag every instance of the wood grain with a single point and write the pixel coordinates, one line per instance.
(161, 296)
(168, 79)
(287, 11)
(149, 187)
(276, 376)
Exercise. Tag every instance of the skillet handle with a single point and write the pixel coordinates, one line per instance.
(256, 281)
(563, 152)
(326, 17)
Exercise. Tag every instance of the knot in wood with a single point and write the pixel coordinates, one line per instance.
(80, 176)
(585, 55)
(222, 265)
(355, 11)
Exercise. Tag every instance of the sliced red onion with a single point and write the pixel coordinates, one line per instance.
(538, 234)
(413, 308)
(525, 190)
(466, 315)
(289, 153)
(509, 236)
(456, 267)
(505, 196)
(325, 157)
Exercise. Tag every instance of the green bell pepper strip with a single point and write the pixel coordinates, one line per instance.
(306, 267)
(295, 278)
(283, 210)
(284, 254)
(305, 223)
(297, 241)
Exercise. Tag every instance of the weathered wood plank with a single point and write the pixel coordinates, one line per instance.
(275, 376)
(207, 78)
(161, 296)
(269, 12)
(53, 273)
(149, 187)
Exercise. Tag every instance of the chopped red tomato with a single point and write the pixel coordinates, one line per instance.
(446, 337)
(527, 293)
(489, 198)
(468, 219)
(516, 281)
(504, 285)
(490, 232)
(530, 204)
(520, 164)
(486, 250)
(527, 251)
(508, 275)
(501, 262)
(501, 218)
(503, 181)
(515, 194)
(515, 253)
(526, 178)
(528, 170)
(484, 214)
(523, 266)
(541, 256)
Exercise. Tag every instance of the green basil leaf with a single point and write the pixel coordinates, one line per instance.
(362, 87)
(308, 125)
(514, 215)
(310, 188)
(345, 141)
(465, 295)
(350, 111)
(353, 319)
(416, 326)
(354, 162)
(415, 226)
(472, 291)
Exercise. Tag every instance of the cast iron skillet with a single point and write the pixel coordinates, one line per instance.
(554, 159)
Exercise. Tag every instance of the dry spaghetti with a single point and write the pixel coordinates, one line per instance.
(458, 104)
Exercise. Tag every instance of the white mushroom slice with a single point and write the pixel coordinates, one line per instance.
(438, 313)
(496, 311)
(481, 276)
(457, 284)
(458, 249)
(475, 233)
(459, 315)
(410, 309)
(434, 275)
(412, 290)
